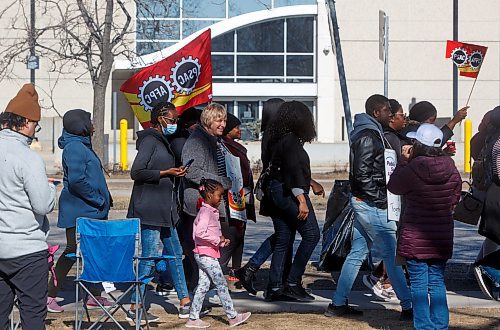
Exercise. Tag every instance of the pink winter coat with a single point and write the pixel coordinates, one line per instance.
(207, 232)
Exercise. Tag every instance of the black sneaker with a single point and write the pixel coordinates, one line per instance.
(297, 292)
(276, 295)
(345, 310)
(406, 315)
(246, 276)
(150, 317)
(164, 289)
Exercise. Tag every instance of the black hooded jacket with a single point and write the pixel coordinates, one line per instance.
(153, 197)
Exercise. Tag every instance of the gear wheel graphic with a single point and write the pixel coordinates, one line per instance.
(154, 90)
(185, 74)
(461, 55)
(476, 58)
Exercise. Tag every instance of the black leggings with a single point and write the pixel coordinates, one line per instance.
(234, 230)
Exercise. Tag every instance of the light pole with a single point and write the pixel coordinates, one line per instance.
(32, 62)
(455, 69)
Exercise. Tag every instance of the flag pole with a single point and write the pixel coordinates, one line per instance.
(470, 94)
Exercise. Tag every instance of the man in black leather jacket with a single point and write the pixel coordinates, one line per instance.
(369, 203)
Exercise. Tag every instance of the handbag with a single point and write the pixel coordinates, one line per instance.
(261, 183)
(469, 208)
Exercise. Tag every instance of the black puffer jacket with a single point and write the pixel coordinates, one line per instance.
(367, 171)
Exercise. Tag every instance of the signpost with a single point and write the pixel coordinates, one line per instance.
(383, 46)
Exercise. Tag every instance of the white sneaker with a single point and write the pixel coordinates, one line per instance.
(376, 287)
(482, 283)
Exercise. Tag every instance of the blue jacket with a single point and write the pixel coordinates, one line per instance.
(85, 192)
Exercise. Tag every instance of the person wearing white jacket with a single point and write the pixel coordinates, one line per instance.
(26, 197)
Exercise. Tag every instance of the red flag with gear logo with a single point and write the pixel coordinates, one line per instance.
(183, 78)
(467, 57)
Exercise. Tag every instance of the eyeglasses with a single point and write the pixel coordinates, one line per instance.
(38, 128)
(171, 120)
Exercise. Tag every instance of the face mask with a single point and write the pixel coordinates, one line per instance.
(169, 130)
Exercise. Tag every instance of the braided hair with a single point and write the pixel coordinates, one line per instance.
(208, 186)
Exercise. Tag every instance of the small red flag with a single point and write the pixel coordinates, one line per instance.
(467, 57)
(183, 78)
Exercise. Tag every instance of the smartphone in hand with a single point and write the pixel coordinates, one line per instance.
(188, 164)
(55, 182)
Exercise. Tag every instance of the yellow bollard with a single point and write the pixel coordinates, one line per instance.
(123, 145)
(467, 138)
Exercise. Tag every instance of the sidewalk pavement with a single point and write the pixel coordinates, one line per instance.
(464, 291)
(244, 302)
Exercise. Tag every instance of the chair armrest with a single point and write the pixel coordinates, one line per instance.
(156, 258)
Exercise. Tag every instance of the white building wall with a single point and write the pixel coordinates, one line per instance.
(418, 31)
(329, 126)
(417, 67)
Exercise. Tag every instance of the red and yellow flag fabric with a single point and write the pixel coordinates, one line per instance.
(467, 57)
(183, 78)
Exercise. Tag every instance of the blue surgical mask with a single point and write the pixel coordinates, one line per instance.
(169, 130)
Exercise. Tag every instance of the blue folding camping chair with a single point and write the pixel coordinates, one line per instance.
(108, 251)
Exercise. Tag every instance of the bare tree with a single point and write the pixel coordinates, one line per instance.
(80, 39)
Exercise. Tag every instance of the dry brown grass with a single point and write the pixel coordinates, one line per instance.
(465, 318)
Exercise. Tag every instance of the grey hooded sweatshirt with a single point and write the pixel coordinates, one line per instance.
(26, 197)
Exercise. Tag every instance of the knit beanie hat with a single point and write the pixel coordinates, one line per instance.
(422, 111)
(25, 103)
(231, 122)
(77, 122)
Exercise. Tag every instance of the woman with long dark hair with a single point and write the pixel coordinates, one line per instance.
(485, 147)
(290, 207)
(246, 274)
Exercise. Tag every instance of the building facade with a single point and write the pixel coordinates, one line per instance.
(282, 48)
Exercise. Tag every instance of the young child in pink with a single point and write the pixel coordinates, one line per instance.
(208, 239)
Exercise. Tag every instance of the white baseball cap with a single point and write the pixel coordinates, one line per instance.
(428, 134)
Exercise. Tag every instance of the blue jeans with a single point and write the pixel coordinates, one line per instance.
(285, 225)
(151, 236)
(427, 279)
(371, 227)
(263, 252)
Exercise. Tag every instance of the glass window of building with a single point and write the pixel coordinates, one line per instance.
(158, 30)
(190, 27)
(299, 65)
(148, 47)
(283, 3)
(299, 32)
(263, 37)
(204, 9)
(223, 65)
(263, 57)
(223, 43)
(260, 65)
(160, 9)
(239, 7)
